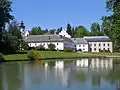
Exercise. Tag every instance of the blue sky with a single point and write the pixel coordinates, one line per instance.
(53, 14)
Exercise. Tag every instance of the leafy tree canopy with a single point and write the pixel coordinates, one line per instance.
(81, 31)
(111, 24)
(5, 16)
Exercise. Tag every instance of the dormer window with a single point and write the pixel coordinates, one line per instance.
(60, 36)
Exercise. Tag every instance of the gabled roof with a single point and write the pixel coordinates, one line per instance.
(47, 38)
(97, 39)
(79, 41)
(64, 33)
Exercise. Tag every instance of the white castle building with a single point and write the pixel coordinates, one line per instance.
(91, 43)
(63, 40)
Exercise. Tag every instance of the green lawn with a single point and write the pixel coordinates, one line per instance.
(59, 54)
(16, 57)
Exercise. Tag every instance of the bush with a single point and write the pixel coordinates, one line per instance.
(2, 57)
(34, 55)
(51, 47)
(41, 47)
(68, 50)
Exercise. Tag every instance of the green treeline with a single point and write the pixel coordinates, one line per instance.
(75, 32)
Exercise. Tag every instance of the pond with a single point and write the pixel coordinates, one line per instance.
(80, 74)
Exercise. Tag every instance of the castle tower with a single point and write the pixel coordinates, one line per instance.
(22, 28)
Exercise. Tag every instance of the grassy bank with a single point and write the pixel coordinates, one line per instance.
(60, 54)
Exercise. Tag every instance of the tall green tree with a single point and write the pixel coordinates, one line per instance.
(69, 29)
(96, 30)
(73, 32)
(95, 27)
(14, 37)
(14, 30)
(59, 30)
(5, 15)
(111, 24)
(45, 31)
(81, 31)
(52, 31)
(36, 31)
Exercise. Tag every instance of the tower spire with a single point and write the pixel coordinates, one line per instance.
(22, 28)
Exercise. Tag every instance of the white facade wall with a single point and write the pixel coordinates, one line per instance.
(59, 45)
(97, 46)
(83, 47)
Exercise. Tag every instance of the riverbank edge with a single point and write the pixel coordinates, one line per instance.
(62, 58)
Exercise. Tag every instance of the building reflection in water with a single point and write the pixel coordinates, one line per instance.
(95, 63)
(63, 74)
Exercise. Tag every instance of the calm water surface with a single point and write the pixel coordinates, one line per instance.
(81, 74)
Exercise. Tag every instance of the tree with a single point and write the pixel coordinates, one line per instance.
(52, 31)
(51, 46)
(59, 30)
(14, 37)
(5, 16)
(73, 32)
(96, 30)
(69, 30)
(45, 31)
(36, 31)
(111, 24)
(81, 31)
(14, 30)
(95, 27)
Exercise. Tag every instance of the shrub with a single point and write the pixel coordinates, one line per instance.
(34, 55)
(51, 47)
(2, 57)
(41, 47)
(68, 50)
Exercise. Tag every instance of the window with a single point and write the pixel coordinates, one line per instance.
(94, 49)
(30, 44)
(79, 45)
(94, 44)
(90, 45)
(108, 44)
(104, 49)
(57, 43)
(35, 44)
(103, 44)
(99, 44)
(99, 50)
(83, 45)
(83, 49)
